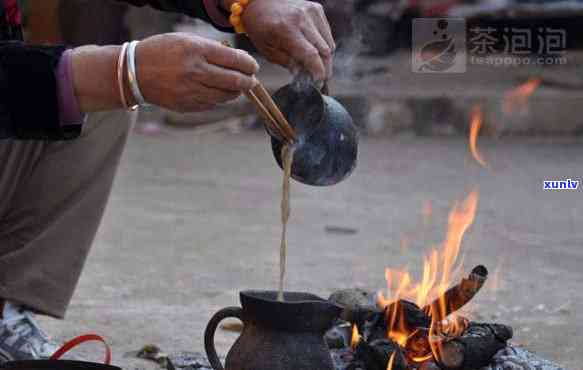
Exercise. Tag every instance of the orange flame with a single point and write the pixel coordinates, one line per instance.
(440, 267)
(477, 119)
(422, 358)
(355, 337)
(391, 364)
(517, 98)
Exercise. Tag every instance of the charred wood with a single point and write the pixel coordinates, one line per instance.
(408, 314)
(339, 336)
(374, 324)
(457, 296)
(429, 365)
(418, 344)
(377, 354)
(375, 327)
(475, 348)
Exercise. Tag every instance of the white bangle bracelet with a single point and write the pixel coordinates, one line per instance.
(120, 82)
(132, 74)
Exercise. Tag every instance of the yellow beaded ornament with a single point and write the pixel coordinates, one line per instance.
(237, 10)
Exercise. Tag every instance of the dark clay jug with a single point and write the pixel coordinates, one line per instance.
(327, 141)
(55, 365)
(277, 335)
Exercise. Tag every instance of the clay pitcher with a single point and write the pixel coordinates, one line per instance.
(277, 335)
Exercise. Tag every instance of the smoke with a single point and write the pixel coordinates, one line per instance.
(349, 46)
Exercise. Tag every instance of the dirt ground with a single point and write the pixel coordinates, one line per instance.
(193, 219)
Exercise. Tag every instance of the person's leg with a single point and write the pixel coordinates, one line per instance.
(53, 198)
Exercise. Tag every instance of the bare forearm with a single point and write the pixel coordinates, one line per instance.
(95, 77)
(177, 71)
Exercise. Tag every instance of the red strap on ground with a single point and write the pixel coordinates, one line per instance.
(80, 340)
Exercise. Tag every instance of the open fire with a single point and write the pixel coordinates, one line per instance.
(414, 323)
(440, 267)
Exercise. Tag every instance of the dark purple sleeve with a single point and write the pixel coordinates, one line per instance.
(69, 110)
(29, 101)
(216, 14)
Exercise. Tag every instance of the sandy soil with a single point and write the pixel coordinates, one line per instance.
(194, 219)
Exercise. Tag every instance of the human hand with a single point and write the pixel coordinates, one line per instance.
(187, 73)
(292, 33)
(177, 71)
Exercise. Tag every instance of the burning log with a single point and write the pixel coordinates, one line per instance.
(418, 346)
(414, 317)
(375, 324)
(429, 365)
(475, 348)
(360, 308)
(376, 356)
(457, 296)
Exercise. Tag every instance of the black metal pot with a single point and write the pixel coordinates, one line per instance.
(277, 335)
(327, 147)
(55, 365)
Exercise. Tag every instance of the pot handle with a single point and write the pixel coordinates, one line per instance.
(211, 328)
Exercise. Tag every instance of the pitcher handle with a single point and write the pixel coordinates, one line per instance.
(211, 328)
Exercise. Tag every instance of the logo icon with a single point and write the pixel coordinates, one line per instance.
(439, 45)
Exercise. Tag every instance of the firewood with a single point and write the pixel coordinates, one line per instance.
(339, 335)
(408, 317)
(414, 317)
(377, 354)
(457, 296)
(361, 310)
(429, 365)
(475, 348)
(373, 323)
(418, 344)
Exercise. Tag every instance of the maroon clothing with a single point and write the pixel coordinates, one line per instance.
(10, 20)
(13, 15)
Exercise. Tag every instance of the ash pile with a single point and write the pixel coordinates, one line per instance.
(399, 335)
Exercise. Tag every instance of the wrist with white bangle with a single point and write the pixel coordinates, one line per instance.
(133, 74)
(127, 59)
